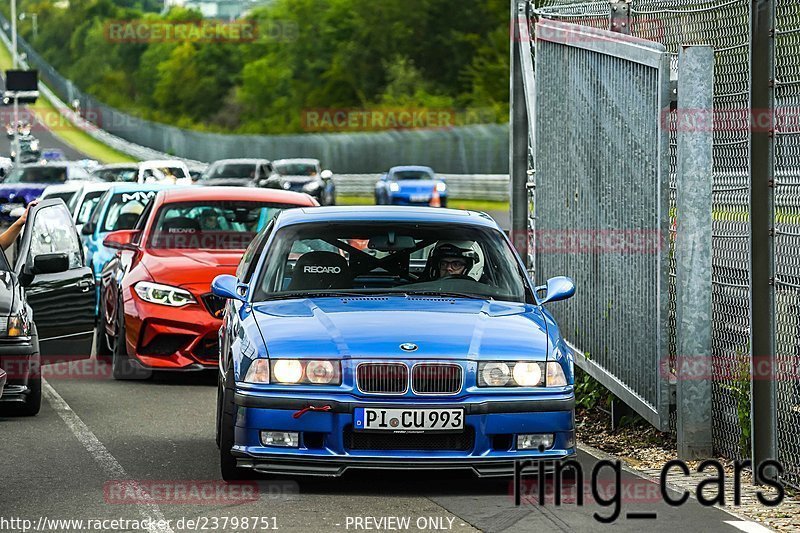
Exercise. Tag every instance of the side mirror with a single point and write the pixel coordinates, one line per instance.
(122, 239)
(50, 263)
(326, 174)
(227, 286)
(87, 229)
(558, 288)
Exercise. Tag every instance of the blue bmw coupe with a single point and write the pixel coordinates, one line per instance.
(389, 337)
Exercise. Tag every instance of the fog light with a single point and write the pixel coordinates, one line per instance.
(285, 439)
(535, 441)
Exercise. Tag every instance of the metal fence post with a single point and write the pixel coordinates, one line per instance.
(693, 250)
(762, 246)
(518, 162)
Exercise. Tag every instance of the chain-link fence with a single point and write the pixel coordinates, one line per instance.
(473, 149)
(723, 24)
(726, 26)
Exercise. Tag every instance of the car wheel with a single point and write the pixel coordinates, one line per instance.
(101, 340)
(33, 400)
(122, 368)
(227, 462)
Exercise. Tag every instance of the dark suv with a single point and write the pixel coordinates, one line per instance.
(47, 302)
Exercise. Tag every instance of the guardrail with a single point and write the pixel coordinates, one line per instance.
(117, 143)
(463, 186)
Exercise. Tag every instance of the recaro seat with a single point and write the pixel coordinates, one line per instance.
(321, 270)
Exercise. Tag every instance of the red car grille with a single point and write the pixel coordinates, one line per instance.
(214, 304)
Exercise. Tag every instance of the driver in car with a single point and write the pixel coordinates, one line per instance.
(451, 260)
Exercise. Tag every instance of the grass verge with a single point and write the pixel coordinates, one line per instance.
(65, 130)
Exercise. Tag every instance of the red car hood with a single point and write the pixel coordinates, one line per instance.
(190, 269)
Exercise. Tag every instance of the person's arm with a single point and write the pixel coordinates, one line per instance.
(10, 235)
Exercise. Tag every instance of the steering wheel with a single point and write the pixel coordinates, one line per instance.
(457, 276)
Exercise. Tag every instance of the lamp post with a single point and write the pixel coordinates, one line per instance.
(14, 32)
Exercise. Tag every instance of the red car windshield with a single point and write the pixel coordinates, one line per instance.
(211, 225)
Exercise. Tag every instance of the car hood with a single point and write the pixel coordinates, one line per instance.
(228, 182)
(20, 191)
(190, 269)
(414, 186)
(375, 327)
(10, 293)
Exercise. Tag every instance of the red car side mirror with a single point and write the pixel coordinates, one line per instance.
(122, 239)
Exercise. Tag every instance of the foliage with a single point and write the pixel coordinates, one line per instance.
(589, 393)
(307, 54)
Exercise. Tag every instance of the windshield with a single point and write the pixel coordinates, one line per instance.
(396, 257)
(43, 174)
(296, 169)
(406, 175)
(211, 225)
(89, 202)
(117, 174)
(124, 209)
(231, 170)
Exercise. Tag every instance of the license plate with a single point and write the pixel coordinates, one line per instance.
(420, 197)
(405, 420)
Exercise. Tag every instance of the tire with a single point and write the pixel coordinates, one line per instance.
(101, 340)
(33, 400)
(227, 462)
(122, 368)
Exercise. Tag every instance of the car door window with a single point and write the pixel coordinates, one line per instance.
(89, 202)
(53, 232)
(250, 257)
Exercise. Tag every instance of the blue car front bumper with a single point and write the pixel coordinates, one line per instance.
(329, 445)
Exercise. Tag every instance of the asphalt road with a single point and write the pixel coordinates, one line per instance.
(93, 433)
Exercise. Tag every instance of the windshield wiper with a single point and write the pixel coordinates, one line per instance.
(449, 294)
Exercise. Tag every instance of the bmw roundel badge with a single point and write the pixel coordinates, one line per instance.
(408, 347)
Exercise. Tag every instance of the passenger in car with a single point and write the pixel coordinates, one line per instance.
(10, 235)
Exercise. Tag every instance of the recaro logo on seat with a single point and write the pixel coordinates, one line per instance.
(312, 269)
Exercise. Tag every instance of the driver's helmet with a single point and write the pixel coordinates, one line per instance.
(131, 208)
(453, 250)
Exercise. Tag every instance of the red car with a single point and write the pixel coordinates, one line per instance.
(156, 307)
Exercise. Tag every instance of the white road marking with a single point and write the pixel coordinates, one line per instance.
(748, 526)
(148, 509)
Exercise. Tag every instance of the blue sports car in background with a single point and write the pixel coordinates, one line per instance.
(26, 183)
(411, 185)
(389, 338)
(119, 208)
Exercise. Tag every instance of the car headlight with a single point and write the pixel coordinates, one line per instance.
(521, 374)
(441, 186)
(17, 326)
(286, 185)
(394, 187)
(301, 371)
(311, 186)
(163, 294)
(258, 372)
(494, 374)
(555, 375)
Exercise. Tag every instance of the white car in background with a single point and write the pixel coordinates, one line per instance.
(165, 171)
(79, 197)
